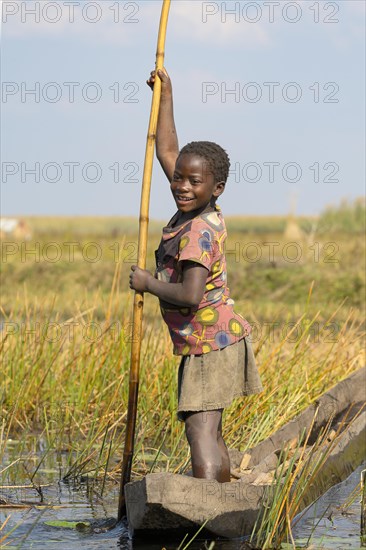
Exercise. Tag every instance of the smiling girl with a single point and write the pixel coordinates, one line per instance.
(217, 363)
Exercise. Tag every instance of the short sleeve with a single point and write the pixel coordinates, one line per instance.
(198, 245)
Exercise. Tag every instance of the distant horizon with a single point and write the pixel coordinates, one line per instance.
(155, 219)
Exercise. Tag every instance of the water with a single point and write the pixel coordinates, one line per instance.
(329, 525)
(71, 503)
(82, 502)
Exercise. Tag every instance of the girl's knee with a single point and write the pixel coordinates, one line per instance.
(202, 423)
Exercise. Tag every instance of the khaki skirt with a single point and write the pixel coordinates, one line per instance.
(213, 380)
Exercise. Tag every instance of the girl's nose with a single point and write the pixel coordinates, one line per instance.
(183, 185)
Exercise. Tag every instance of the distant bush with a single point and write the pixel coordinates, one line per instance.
(348, 217)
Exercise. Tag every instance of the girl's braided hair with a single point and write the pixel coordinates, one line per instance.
(215, 155)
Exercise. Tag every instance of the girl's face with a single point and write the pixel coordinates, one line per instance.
(193, 183)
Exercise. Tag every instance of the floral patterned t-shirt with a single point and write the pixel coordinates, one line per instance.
(213, 324)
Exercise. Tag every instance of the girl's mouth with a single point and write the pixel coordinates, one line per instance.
(182, 199)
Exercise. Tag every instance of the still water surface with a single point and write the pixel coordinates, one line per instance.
(324, 523)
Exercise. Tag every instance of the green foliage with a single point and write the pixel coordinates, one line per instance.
(347, 217)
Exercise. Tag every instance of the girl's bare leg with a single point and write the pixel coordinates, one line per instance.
(225, 459)
(210, 459)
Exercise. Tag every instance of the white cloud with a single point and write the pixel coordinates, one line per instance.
(225, 24)
(119, 25)
(209, 22)
(93, 21)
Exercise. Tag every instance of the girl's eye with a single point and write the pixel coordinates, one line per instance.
(176, 177)
(196, 181)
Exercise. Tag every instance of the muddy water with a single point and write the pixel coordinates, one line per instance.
(324, 522)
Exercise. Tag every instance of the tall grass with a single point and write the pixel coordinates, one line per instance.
(65, 348)
(73, 392)
(297, 471)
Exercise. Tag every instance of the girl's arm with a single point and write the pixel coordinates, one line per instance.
(167, 148)
(188, 293)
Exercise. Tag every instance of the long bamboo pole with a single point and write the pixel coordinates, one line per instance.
(141, 262)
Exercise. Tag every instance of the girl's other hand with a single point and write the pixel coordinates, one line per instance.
(166, 84)
(139, 278)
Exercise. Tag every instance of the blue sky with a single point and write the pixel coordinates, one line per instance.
(293, 124)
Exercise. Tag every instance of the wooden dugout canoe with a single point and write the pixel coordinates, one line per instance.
(164, 504)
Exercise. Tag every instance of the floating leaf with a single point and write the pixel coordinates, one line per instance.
(79, 525)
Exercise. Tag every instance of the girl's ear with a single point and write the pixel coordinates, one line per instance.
(219, 188)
